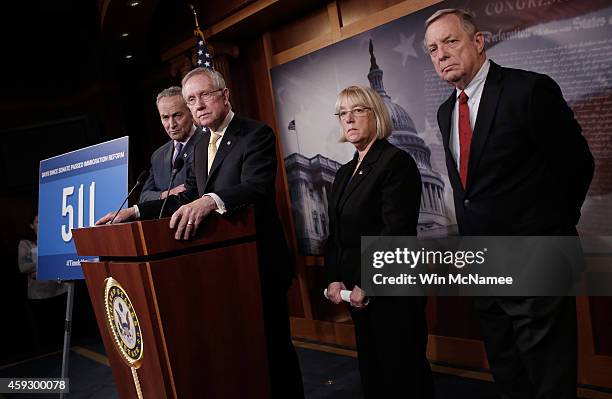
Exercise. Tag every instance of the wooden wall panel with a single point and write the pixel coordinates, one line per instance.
(601, 318)
(307, 28)
(382, 17)
(593, 367)
(322, 309)
(371, 16)
(354, 10)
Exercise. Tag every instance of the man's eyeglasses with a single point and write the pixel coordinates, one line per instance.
(358, 112)
(204, 97)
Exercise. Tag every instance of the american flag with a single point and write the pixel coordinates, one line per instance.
(204, 58)
(204, 55)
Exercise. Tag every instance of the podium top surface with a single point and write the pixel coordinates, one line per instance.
(154, 237)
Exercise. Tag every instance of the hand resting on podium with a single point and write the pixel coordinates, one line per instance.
(186, 219)
(124, 215)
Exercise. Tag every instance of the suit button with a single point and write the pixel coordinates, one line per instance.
(466, 203)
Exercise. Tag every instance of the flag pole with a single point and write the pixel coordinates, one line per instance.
(197, 31)
(67, 334)
(297, 138)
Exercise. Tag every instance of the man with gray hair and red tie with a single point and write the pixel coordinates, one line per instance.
(519, 166)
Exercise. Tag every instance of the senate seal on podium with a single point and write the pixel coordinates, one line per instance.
(123, 322)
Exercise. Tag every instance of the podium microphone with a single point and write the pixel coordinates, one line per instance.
(142, 177)
(178, 165)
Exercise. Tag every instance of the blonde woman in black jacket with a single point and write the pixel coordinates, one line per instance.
(377, 193)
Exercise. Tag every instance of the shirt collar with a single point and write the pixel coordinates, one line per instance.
(478, 81)
(225, 123)
(191, 132)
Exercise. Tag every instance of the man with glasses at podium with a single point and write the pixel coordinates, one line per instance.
(235, 166)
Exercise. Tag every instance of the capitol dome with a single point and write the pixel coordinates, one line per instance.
(401, 120)
(433, 213)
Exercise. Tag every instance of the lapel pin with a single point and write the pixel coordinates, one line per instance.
(229, 142)
(361, 172)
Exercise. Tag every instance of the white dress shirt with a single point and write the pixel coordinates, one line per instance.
(474, 93)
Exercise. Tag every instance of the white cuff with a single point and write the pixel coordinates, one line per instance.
(220, 204)
(136, 211)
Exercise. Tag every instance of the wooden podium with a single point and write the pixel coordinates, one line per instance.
(197, 305)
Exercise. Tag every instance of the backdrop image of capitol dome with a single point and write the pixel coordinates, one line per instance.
(312, 159)
(562, 42)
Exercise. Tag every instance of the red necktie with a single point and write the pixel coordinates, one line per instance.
(465, 137)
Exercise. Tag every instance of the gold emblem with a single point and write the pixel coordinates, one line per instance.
(124, 326)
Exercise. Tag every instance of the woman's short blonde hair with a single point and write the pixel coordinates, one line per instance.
(366, 97)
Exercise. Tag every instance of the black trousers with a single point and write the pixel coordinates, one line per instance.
(391, 335)
(531, 345)
(284, 367)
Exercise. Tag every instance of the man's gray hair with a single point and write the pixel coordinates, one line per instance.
(171, 91)
(214, 76)
(467, 18)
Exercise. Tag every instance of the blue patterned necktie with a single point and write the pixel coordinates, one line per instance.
(177, 150)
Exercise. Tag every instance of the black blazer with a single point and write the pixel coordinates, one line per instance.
(243, 173)
(529, 168)
(161, 168)
(382, 198)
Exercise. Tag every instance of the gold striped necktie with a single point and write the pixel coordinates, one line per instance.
(212, 148)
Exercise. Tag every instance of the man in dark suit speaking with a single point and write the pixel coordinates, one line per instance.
(234, 166)
(178, 124)
(518, 166)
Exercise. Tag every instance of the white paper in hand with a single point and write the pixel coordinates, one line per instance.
(344, 294)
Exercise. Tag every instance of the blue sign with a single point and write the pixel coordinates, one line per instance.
(75, 190)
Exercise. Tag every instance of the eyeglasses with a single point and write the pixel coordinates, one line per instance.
(357, 112)
(204, 97)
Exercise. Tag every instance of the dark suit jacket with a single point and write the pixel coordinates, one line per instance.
(243, 173)
(382, 198)
(529, 168)
(161, 168)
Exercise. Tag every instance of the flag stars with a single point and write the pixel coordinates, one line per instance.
(204, 56)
